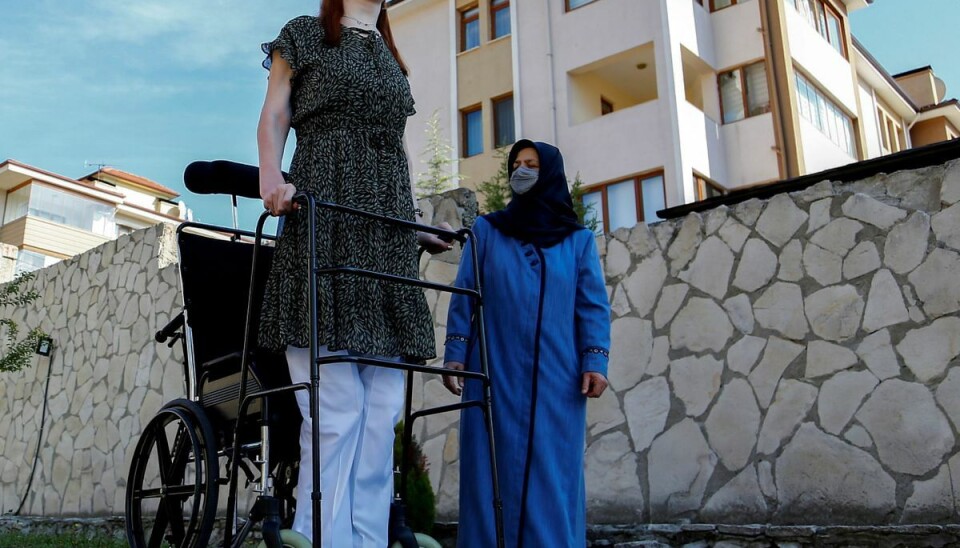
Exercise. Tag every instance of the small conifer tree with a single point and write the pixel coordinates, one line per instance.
(438, 177)
(585, 213)
(496, 190)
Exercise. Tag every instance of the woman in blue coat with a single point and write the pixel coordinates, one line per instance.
(548, 337)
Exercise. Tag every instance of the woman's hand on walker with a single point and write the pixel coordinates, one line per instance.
(593, 385)
(453, 384)
(277, 195)
(433, 243)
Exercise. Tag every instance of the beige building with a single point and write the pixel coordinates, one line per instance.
(658, 103)
(47, 217)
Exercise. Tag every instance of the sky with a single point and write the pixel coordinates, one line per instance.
(148, 86)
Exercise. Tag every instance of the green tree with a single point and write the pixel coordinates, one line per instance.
(438, 177)
(18, 352)
(582, 209)
(496, 190)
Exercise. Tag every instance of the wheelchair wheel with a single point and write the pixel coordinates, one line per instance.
(423, 541)
(172, 487)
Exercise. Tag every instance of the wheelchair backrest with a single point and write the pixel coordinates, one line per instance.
(215, 277)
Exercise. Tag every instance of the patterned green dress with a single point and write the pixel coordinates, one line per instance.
(350, 105)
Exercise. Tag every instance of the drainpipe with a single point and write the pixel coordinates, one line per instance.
(780, 101)
(454, 92)
(515, 54)
(553, 76)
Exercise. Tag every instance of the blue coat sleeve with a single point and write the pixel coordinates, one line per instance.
(460, 314)
(592, 313)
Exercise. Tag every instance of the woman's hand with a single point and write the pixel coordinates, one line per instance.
(453, 384)
(593, 385)
(433, 243)
(277, 194)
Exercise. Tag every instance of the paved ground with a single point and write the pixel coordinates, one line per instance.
(619, 536)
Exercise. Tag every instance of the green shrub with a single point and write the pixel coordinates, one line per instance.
(420, 502)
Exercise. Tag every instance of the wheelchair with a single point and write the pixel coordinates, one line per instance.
(239, 416)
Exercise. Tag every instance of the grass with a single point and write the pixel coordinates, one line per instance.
(36, 540)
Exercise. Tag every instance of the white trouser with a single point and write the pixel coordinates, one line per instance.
(359, 407)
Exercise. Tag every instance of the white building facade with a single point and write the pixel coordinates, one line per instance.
(657, 103)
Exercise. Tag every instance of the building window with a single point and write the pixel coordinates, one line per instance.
(574, 4)
(626, 203)
(606, 107)
(707, 188)
(472, 119)
(469, 28)
(28, 261)
(720, 4)
(60, 207)
(826, 20)
(503, 129)
(744, 92)
(499, 18)
(18, 203)
(892, 136)
(825, 115)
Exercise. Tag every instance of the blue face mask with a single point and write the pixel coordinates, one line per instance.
(523, 179)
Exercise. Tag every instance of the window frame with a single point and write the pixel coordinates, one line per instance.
(830, 11)
(465, 131)
(637, 191)
(496, 120)
(822, 11)
(606, 106)
(892, 133)
(713, 7)
(466, 20)
(824, 112)
(744, 98)
(567, 8)
(496, 6)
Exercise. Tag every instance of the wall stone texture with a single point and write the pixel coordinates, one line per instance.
(786, 361)
(107, 376)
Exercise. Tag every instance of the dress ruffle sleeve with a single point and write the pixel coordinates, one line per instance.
(286, 44)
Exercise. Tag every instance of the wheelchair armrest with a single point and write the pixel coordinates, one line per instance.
(222, 361)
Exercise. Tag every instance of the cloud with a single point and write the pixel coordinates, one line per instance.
(194, 32)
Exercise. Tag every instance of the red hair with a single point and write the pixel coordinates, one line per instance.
(331, 11)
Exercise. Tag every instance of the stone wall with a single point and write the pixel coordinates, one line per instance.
(786, 361)
(107, 376)
(783, 361)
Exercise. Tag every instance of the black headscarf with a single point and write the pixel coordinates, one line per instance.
(543, 215)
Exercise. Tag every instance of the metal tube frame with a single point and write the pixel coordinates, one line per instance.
(486, 404)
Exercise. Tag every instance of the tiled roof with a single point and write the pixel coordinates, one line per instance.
(135, 179)
(58, 176)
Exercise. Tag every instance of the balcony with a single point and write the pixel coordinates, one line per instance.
(632, 140)
(614, 83)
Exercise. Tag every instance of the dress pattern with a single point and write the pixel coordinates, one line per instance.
(349, 109)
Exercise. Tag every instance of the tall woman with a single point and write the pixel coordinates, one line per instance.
(339, 82)
(548, 334)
